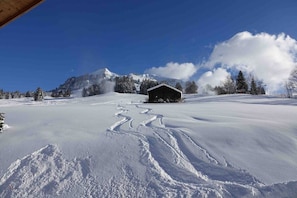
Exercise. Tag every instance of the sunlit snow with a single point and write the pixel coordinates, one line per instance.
(114, 145)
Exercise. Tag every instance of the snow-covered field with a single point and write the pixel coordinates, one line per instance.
(114, 145)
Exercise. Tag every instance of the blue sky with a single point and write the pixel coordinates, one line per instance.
(59, 39)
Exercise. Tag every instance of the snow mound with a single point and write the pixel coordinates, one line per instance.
(43, 173)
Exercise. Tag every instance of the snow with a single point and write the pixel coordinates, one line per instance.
(104, 72)
(114, 145)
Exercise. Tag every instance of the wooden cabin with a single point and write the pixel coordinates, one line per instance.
(164, 93)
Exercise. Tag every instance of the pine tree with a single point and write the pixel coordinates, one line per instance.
(1, 121)
(124, 84)
(191, 87)
(85, 92)
(2, 96)
(178, 86)
(38, 94)
(253, 90)
(145, 85)
(260, 88)
(29, 94)
(241, 85)
(229, 85)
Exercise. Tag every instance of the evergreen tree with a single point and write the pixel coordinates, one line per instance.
(92, 90)
(260, 88)
(229, 86)
(191, 87)
(241, 85)
(1, 121)
(220, 90)
(85, 92)
(67, 93)
(178, 86)
(124, 84)
(253, 90)
(29, 94)
(146, 84)
(38, 94)
(7, 95)
(2, 95)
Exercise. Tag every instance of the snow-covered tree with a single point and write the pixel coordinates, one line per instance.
(253, 90)
(92, 90)
(29, 94)
(191, 87)
(260, 87)
(38, 94)
(124, 84)
(241, 85)
(291, 85)
(178, 86)
(229, 85)
(1, 121)
(2, 96)
(61, 93)
(146, 84)
(7, 95)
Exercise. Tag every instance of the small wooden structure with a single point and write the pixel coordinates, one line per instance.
(164, 93)
(11, 9)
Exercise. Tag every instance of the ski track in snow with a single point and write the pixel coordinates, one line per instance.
(175, 170)
(176, 166)
(172, 164)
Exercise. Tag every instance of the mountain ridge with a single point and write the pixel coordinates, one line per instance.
(83, 81)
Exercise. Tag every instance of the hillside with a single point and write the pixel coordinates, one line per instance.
(114, 145)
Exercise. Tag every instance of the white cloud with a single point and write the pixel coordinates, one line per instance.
(213, 78)
(270, 58)
(174, 70)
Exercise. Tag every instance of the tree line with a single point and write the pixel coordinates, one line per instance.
(240, 85)
(37, 95)
(126, 84)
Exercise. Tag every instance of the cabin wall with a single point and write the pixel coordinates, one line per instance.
(164, 94)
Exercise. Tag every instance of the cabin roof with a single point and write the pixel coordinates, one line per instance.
(11, 9)
(163, 84)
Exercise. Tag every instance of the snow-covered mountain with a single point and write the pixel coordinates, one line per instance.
(76, 83)
(114, 145)
(83, 81)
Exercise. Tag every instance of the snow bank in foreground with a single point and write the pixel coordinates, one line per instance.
(44, 172)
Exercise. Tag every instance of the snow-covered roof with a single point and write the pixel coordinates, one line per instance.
(163, 84)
